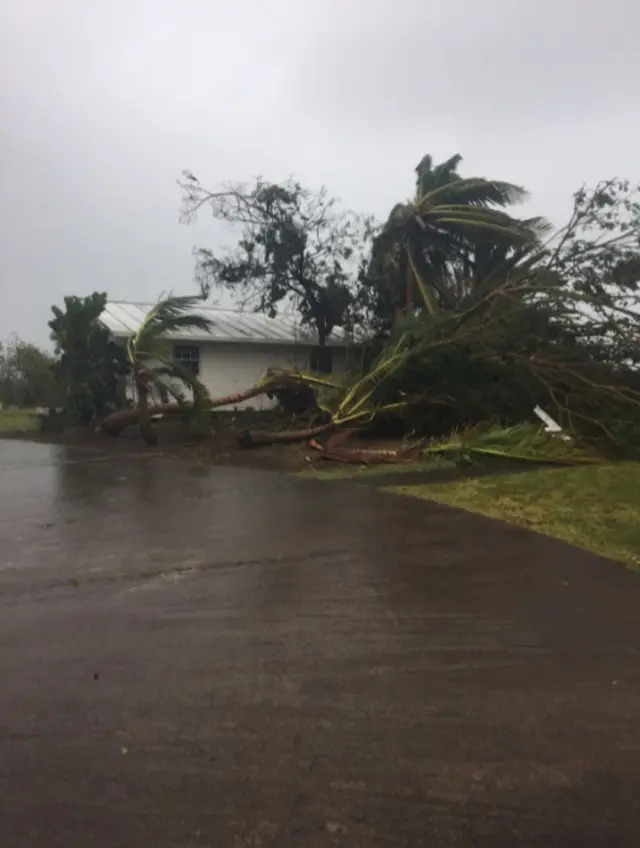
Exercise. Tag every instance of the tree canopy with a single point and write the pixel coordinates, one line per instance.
(295, 248)
(434, 248)
(472, 313)
(550, 322)
(89, 364)
(27, 376)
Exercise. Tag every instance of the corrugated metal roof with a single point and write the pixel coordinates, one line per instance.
(122, 319)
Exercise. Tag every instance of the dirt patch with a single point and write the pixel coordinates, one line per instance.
(219, 446)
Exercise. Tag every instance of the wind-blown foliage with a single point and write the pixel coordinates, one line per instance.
(296, 248)
(521, 337)
(434, 248)
(479, 315)
(501, 328)
(150, 356)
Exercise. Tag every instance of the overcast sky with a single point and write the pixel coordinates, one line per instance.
(104, 102)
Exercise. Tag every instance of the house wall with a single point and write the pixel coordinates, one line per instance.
(229, 368)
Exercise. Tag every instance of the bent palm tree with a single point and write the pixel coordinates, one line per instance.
(152, 365)
(434, 241)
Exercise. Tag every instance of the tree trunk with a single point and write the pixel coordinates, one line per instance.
(115, 423)
(366, 456)
(144, 418)
(146, 428)
(247, 439)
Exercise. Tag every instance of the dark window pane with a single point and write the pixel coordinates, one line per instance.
(188, 356)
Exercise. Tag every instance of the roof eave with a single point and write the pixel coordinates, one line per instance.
(333, 343)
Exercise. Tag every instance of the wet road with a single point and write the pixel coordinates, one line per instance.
(222, 657)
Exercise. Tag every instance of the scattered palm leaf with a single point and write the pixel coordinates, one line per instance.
(522, 442)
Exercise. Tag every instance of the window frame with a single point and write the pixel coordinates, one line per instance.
(188, 357)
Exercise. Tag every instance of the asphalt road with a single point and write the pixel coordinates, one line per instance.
(196, 657)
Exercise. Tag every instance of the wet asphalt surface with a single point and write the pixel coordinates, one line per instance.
(196, 657)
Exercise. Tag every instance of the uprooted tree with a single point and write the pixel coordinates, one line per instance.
(483, 315)
(495, 320)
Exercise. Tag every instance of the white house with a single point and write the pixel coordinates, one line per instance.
(234, 355)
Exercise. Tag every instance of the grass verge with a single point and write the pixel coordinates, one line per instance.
(596, 507)
(14, 420)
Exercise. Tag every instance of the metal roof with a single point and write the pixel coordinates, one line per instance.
(123, 319)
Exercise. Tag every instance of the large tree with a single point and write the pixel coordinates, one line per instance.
(596, 255)
(554, 323)
(435, 246)
(295, 248)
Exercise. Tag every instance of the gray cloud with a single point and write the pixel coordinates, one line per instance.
(104, 103)
(462, 64)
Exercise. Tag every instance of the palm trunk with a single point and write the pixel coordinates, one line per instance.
(115, 423)
(142, 400)
(247, 439)
(146, 428)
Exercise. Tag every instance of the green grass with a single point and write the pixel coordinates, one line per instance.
(596, 508)
(350, 472)
(14, 420)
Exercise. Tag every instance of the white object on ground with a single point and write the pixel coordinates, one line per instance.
(551, 425)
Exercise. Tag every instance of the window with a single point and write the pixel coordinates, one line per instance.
(321, 360)
(188, 356)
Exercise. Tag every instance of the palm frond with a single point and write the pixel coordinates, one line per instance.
(468, 212)
(470, 225)
(170, 314)
(524, 442)
(475, 192)
(423, 287)
(361, 394)
(167, 368)
(166, 387)
(429, 177)
(185, 322)
(538, 225)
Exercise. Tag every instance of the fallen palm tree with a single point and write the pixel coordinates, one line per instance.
(272, 383)
(117, 422)
(336, 450)
(495, 324)
(341, 403)
(257, 438)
